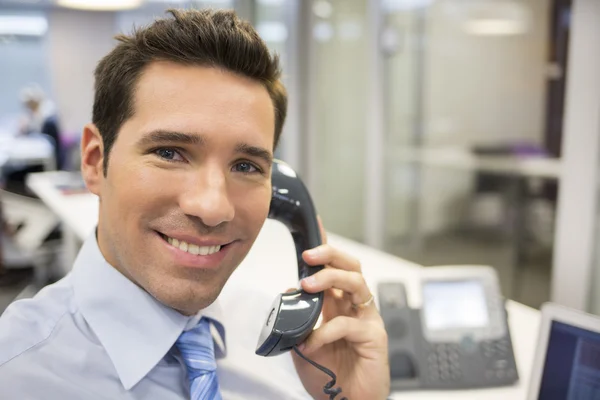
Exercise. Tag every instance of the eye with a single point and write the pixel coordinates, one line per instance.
(245, 168)
(168, 154)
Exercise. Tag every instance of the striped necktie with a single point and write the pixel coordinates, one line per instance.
(197, 348)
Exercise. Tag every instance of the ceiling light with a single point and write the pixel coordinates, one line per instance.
(495, 27)
(23, 25)
(404, 5)
(323, 32)
(168, 1)
(496, 17)
(100, 5)
(270, 2)
(323, 9)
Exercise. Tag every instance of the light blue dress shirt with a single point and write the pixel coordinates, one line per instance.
(96, 335)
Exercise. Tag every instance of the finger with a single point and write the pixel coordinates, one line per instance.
(350, 282)
(328, 255)
(337, 293)
(290, 290)
(322, 229)
(353, 330)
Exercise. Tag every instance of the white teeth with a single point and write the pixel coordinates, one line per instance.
(192, 248)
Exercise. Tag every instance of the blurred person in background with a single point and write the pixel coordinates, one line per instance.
(40, 117)
(38, 108)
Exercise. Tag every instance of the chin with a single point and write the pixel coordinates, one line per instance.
(188, 306)
(188, 297)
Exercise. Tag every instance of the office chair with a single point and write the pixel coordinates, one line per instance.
(33, 223)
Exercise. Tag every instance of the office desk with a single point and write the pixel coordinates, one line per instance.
(463, 159)
(518, 170)
(78, 213)
(262, 275)
(26, 151)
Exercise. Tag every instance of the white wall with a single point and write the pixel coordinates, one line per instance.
(77, 41)
(22, 61)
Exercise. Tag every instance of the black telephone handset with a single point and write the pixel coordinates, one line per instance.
(293, 315)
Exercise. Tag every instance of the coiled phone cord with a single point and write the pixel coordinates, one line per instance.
(328, 389)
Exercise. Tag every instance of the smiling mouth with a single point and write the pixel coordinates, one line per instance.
(192, 248)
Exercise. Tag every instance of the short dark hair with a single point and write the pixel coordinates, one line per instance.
(209, 38)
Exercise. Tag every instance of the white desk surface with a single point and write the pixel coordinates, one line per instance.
(261, 270)
(78, 212)
(25, 150)
(461, 158)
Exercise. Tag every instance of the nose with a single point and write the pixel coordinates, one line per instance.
(207, 198)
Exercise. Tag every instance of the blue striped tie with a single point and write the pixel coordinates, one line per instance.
(197, 348)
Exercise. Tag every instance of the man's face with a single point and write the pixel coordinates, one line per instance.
(188, 183)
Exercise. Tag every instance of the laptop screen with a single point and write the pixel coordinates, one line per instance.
(572, 366)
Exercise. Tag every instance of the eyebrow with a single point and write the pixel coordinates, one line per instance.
(254, 151)
(166, 136)
(162, 136)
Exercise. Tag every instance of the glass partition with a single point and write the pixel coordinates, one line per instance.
(340, 37)
(470, 178)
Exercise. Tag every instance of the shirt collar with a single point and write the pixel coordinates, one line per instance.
(135, 329)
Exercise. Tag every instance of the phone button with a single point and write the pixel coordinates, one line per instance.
(432, 358)
(502, 346)
(468, 344)
(444, 367)
(443, 357)
(454, 357)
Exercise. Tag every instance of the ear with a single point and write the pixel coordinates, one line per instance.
(92, 158)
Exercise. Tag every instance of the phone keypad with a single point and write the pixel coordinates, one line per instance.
(496, 348)
(497, 352)
(443, 362)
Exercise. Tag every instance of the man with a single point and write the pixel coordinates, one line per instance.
(186, 115)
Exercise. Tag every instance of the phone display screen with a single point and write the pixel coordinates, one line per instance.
(454, 305)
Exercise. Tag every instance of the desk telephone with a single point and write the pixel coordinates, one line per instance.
(458, 339)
